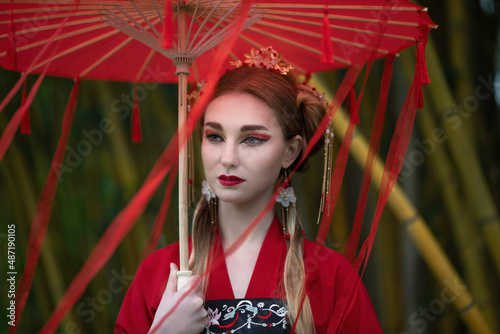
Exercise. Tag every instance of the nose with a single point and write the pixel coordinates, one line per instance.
(230, 157)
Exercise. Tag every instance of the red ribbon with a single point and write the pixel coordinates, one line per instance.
(376, 133)
(136, 119)
(44, 208)
(25, 121)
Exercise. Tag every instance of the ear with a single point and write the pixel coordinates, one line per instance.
(292, 151)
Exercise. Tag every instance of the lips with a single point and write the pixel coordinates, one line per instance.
(229, 180)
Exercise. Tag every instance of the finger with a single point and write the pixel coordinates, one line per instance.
(171, 287)
(192, 283)
(201, 295)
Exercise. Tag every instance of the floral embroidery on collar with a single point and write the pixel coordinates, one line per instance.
(241, 316)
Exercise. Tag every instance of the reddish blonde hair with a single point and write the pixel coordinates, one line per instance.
(299, 113)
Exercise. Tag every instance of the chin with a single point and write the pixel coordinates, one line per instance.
(233, 199)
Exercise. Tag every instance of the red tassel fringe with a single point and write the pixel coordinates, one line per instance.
(136, 120)
(326, 43)
(25, 121)
(421, 72)
(11, 63)
(168, 30)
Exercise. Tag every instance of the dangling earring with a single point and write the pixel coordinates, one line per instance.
(212, 203)
(287, 199)
(327, 171)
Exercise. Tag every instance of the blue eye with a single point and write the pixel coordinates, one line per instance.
(213, 138)
(252, 140)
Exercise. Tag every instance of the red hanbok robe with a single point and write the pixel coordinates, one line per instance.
(331, 281)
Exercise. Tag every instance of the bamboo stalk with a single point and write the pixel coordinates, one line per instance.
(387, 252)
(417, 228)
(464, 155)
(465, 236)
(459, 50)
(24, 180)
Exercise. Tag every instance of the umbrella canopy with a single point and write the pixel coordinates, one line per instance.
(122, 40)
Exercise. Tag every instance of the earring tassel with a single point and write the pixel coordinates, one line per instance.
(327, 172)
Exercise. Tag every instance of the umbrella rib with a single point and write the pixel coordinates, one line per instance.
(105, 56)
(152, 27)
(134, 33)
(53, 16)
(222, 33)
(202, 26)
(136, 24)
(37, 10)
(344, 7)
(231, 53)
(191, 25)
(296, 44)
(144, 65)
(199, 44)
(345, 18)
(76, 47)
(316, 35)
(82, 45)
(54, 26)
(158, 11)
(120, 24)
(62, 36)
(334, 26)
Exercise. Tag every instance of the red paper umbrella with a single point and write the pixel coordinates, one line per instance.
(169, 41)
(124, 40)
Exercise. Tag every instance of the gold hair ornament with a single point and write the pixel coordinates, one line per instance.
(266, 58)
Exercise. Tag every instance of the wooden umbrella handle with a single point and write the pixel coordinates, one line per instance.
(182, 278)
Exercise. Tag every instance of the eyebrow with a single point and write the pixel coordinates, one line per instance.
(217, 126)
(214, 125)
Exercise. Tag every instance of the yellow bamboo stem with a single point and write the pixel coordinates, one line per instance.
(454, 290)
(463, 153)
(465, 236)
(387, 252)
(459, 50)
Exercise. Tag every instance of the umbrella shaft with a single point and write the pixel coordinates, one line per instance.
(183, 177)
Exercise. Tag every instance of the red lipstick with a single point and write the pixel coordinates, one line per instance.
(229, 180)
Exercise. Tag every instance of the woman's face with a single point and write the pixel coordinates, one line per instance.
(243, 148)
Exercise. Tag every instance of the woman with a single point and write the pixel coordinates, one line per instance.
(255, 130)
